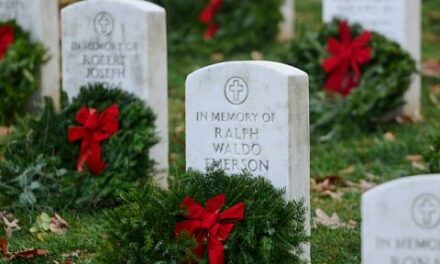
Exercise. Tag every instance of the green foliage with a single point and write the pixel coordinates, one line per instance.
(384, 81)
(141, 231)
(431, 154)
(19, 71)
(244, 25)
(436, 24)
(370, 155)
(39, 164)
(431, 20)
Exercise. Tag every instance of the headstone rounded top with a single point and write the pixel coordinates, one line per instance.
(401, 221)
(280, 68)
(251, 116)
(413, 181)
(120, 43)
(138, 4)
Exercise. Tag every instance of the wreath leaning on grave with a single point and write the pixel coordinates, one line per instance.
(82, 157)
(205, 26)
(206, 218)
(357, 77)
(20, 61)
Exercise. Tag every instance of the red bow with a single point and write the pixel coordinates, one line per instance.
(210, 226)
(96, 128)
(207, 18)
(348, 56)
(6, 39)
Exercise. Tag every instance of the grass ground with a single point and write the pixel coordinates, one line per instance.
(368, 154)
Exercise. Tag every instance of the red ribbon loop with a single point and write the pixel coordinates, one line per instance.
(6, 39)
(96, 128)
(207, 18)
(348, 55)
(210, 226)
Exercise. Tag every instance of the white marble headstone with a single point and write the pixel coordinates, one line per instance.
(40, 18)
(287, 26)
(401, 222)
(253, 116)
(120, 43)
(399, 20)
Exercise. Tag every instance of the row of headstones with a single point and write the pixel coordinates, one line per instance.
(117, 42)
(240, 115)
(397, 19)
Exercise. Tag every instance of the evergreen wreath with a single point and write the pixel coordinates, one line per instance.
(20, 61)
(206, 26)
(386, 71)
(39, 164)
(143, 229)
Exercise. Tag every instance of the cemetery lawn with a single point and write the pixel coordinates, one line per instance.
(362, 156)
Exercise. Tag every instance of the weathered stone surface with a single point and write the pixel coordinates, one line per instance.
(121, 43)
(251, 116)
(399, 20)
(401, 222)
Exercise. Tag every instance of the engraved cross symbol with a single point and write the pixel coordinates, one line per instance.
(236, 88)
(427, 208)
(236, 91)
(104, 22)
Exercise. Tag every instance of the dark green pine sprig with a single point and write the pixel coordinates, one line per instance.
(38, 165)
(141, 230)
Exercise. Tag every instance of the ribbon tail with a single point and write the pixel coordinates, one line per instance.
(350, 83)
(96, 166)
(356, 69)
(215, 251)
(6, 39)
(211, 31)
(206, 16)
(94, 161)
(83, 156)
(199, 250)
(334, 81)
